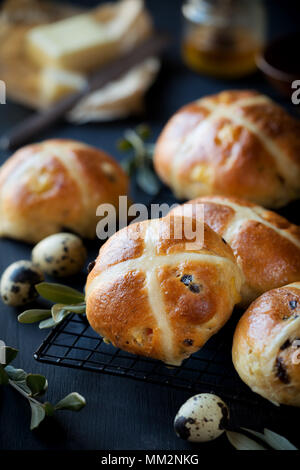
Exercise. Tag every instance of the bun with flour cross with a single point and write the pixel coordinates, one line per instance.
(235, 143)
(266, 345)
(152, 294)
(54, 186)
(266, 246)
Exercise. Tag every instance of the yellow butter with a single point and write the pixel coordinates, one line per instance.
(56, 83)
(77, 43)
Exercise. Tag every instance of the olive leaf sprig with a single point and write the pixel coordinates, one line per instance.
(271, 438)
(140, 160)
(32, 387)
(66, 301)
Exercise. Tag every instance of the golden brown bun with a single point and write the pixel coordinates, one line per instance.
(266, 345)
(56, 185)
(153, 297)
(235, 143)
(266, 245)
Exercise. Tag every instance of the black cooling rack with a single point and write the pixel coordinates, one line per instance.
(74, 344)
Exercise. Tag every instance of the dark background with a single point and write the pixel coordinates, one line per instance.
(121, 413)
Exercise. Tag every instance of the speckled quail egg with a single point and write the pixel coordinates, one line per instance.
(59, 255)
(202, 418)
(18, 281)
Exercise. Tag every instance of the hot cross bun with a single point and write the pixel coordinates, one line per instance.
(266, 345)
(56, 185)
(151, 295)
(235, 143)
(266, 245)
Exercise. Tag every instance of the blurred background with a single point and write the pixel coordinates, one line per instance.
(186, 72)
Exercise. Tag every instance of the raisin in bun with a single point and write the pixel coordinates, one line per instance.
(266, 345)
(235, 143)
(56, 185)
(266, 246)
(151, 294)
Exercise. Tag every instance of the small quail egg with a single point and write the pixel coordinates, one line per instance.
(202, 418)
(59, 255)
(18, 281)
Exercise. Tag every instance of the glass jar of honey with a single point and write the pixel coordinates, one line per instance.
(223, 37)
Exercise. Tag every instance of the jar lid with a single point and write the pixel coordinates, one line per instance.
(203, 11)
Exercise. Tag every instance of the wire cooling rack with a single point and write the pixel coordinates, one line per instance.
(74, 344)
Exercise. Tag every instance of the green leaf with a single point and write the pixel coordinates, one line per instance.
(32, 316)
(10, 354)
(59, 293)
(49, 409)
(148, 181)
(78, 308)
(242, 442)
(273, 439)
(49, 323)
(143, 131)
(124, 145)
(38, 413)
(3, 377)
(278, 442)
(60, 311)
(141, 157)
(17, 375)
(73, 402)
(37, 383)
(129, 165)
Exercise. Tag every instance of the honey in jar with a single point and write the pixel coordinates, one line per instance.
(222, 38)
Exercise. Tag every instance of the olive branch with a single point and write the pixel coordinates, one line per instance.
(139, 162)
(66, 302)
(32, 387)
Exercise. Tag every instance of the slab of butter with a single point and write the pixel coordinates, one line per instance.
(78, 43)
(57, 83)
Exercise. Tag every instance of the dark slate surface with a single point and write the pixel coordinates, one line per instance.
(121, 413)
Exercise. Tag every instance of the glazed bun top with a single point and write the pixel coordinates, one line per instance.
(56, 185)
(151, 295)
(235, 143)
(266, 346)
(266, 245)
